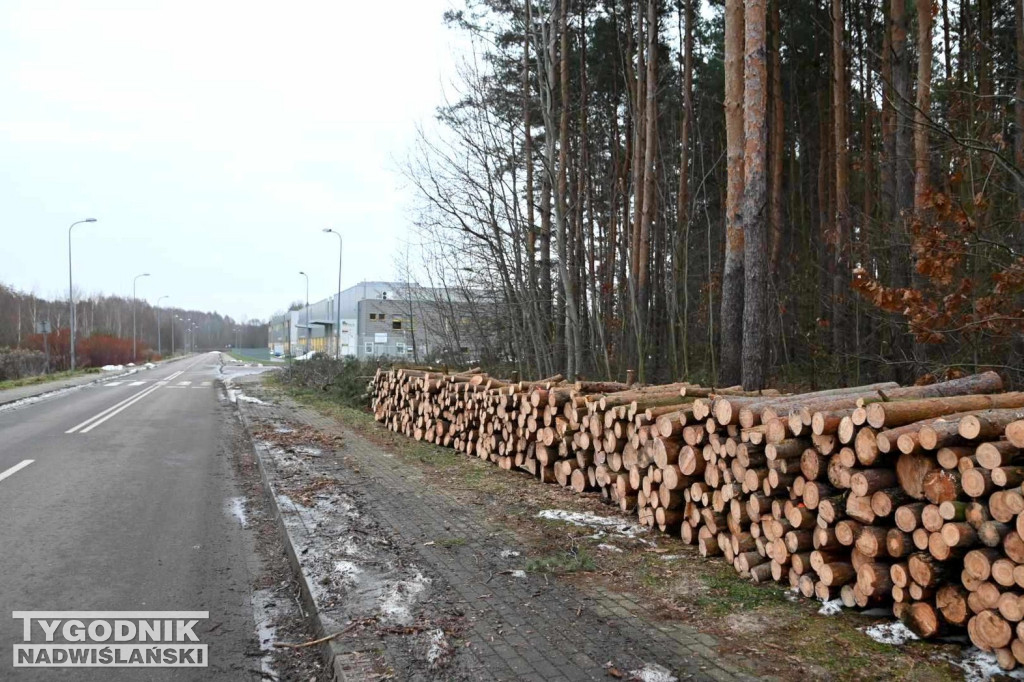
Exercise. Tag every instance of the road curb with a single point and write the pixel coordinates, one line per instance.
(331, 652)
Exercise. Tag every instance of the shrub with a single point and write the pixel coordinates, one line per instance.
(16, 363)
(344, 380)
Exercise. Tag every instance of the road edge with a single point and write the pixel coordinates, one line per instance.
(332, 655)
(46, 395)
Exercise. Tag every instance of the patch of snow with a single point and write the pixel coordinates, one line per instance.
(610, 548)
(237, 505)
(249, 399)
(979, 666)
(670, 557)
(438, 648)
(831, 608)
(652, 672)
(264, 610)
(130, 364)
(895, 633)
(509, 553)
(348, 570)
(617, 525)
(398, 599)
(518, 574)
(112, 368)
(150, 365)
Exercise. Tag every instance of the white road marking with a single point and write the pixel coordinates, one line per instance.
(136, 383)
(206, 383)
(143, 392)
(113, 383)
(138, 396)
(184, 383)
(15, 469)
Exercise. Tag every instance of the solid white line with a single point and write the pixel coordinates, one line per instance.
(138, 396)
(136, 383)
(113, 383)
(15, 469)
(111, 408)
(184, 383)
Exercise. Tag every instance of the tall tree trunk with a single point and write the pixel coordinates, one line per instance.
(731, 355)
(903, 171)
(777, 139)
(683, 197)
(650, 134)
(841, 226)
(924, 100)
(572, 330)
(1018, 103)
(755, 195)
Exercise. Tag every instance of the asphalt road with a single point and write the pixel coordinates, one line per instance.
(118, 497)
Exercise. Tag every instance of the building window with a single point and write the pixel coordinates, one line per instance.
(399, 348)
(409, 351)
(373, 316)
(369, 348)
(396, 323)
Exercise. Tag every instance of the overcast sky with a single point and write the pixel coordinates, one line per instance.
(213, 141)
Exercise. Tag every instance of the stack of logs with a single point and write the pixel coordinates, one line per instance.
(879, 495)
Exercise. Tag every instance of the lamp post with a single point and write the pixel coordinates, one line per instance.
(71, 289)
(159, 340)
(134, 281)
(309, 331)
(173, 318)
(188, 335)
(337, 302)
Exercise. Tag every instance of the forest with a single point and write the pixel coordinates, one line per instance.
(761, 193)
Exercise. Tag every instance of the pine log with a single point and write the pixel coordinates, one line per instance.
(899, 413)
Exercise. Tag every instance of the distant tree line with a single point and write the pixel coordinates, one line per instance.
(110, 317)
(769, 191)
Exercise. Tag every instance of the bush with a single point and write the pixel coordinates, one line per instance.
(345, 380)
(16, 363)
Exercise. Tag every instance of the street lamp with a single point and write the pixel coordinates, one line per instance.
(159, 345)
(71, 289)
(145, 274)
(173, 318)
(337, 302)
(309, 338)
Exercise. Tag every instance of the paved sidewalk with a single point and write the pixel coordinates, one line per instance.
(511, 624)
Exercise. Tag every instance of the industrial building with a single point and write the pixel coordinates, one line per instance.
(378, 319)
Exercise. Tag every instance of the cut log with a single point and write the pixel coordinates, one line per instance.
(911, 470)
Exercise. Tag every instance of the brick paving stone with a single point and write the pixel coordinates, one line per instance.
(574, 634)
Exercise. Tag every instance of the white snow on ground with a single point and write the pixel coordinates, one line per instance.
(438, 648)
(610, 548)
(264, 611)
(979, 666)
(399, 597)
(615, 524)
(113, 368)
(509, 553)
(150, 365)
(518, 574)
(234, 395)
(348, 570)
(831, 608)
(895, 633)
(652, 672)
(237, 505)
